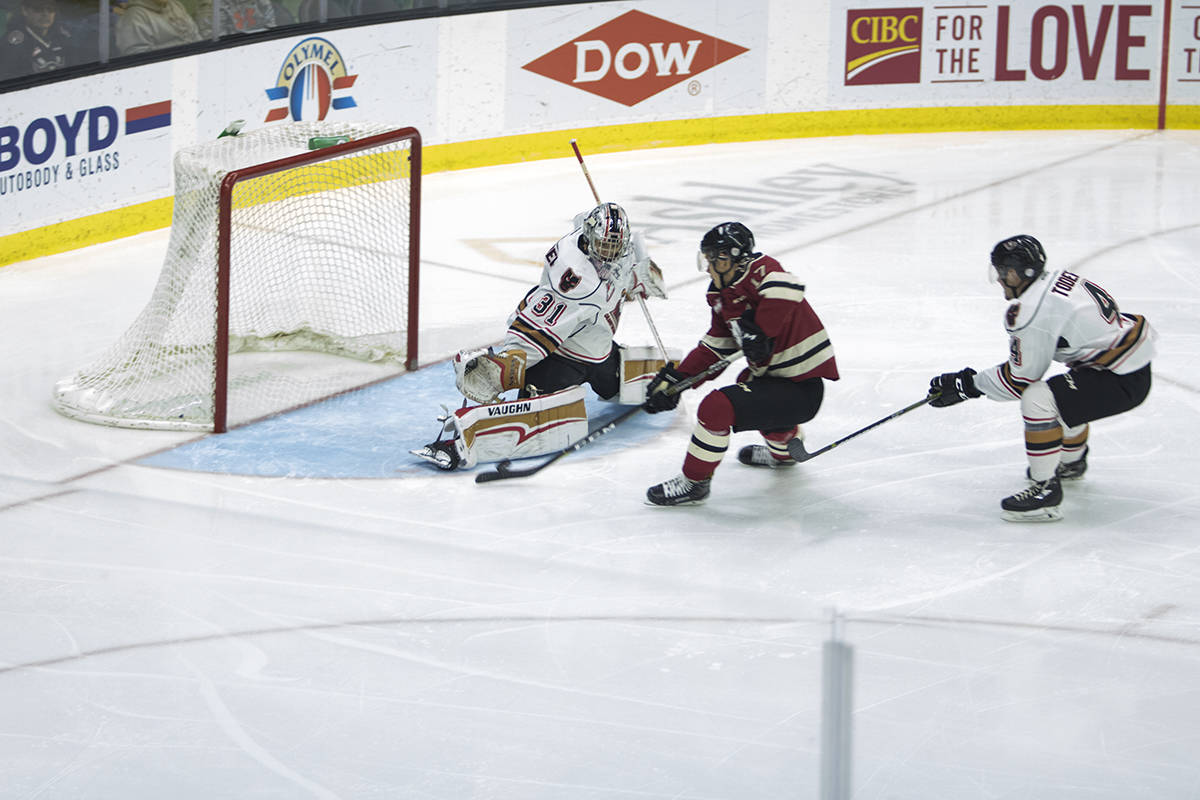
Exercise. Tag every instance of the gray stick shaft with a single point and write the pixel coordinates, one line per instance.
(796, 447)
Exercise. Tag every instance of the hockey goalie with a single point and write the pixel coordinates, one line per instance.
(559, 339)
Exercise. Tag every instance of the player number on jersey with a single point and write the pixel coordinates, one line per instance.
(1108, 306)
(547, 307)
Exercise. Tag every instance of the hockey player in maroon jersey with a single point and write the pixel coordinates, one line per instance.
(760, 309)
(1055, 316)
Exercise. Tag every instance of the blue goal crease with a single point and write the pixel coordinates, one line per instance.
(366, 433)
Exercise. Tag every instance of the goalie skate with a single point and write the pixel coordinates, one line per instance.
(1037, 503)
(448, 454)
(443, 454)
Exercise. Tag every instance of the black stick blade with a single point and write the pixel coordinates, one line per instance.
(797, 452)
(503, 470)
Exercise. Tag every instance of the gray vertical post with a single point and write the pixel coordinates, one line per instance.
(836, 702)
(104, 32)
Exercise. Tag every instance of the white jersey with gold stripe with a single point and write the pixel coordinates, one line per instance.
(1067, 318)
(573, 311)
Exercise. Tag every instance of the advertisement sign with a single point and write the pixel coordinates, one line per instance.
(66, 151)
(613, 62)
(381, 73)
(1184, 85)
(1019, 51)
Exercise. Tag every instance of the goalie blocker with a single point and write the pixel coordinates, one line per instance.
(528, 426)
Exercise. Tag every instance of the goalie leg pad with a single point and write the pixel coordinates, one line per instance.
(639, 365)
(482, 375)
(521, 428)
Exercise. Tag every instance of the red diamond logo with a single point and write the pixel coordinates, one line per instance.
(633, 57)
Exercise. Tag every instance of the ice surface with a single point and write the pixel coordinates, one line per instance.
(322, 632)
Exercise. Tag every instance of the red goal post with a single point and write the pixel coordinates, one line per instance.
(224, 234)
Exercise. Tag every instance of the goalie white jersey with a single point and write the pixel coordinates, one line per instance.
(1066, 318)
(573, 311)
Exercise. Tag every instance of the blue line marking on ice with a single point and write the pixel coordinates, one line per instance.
(367, 433)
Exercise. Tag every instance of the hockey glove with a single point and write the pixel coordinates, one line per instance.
(756, 345)
(482, 375)
(657, 398)
(952, 387)
(647, 281)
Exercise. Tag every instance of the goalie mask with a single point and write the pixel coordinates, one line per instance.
(725, 251)
(1017, 262)
(606, 237)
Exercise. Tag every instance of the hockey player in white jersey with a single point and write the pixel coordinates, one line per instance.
(559, 338)
(1056, 316)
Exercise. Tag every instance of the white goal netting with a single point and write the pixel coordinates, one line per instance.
(321, 266)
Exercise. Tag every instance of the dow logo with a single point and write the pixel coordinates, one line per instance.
(633, 57)
(883, 45)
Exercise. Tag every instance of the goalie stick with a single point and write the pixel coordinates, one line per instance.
(504, 470)
(641, 300)
(796, 446)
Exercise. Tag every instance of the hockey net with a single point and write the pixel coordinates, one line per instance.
(302, 263)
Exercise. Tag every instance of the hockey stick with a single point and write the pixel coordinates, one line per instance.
(796, 446)
(504, 470)
(641, 300)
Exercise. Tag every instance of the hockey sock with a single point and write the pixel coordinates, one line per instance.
(710, 438)
(1074, 442)
(1043, 433)
(777, 443)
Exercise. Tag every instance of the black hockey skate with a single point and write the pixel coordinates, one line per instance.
(679, 491)
(1069, 471)
(1037, 503)
(759, 455)
(443, 454)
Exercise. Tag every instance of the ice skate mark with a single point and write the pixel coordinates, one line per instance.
(520, 278)
(1127, 630)
(398, 621)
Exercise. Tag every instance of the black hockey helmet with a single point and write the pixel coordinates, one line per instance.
(1022, 253)
(732, 239)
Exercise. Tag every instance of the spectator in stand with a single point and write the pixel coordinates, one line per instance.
(82, 17)
(235, 16)
(154, 24)
(36, 41)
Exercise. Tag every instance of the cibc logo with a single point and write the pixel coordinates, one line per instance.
(633, 57)
(883, 45)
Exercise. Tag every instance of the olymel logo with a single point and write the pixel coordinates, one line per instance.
(883, 45)
(310, 75)
(633, 57)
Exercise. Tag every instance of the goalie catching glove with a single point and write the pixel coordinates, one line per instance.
(647, 281)
(482, 375)
(950, 388)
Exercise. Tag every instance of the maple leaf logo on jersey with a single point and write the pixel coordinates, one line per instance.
(633, 57)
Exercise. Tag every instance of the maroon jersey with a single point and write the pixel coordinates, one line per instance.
(801, 346)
